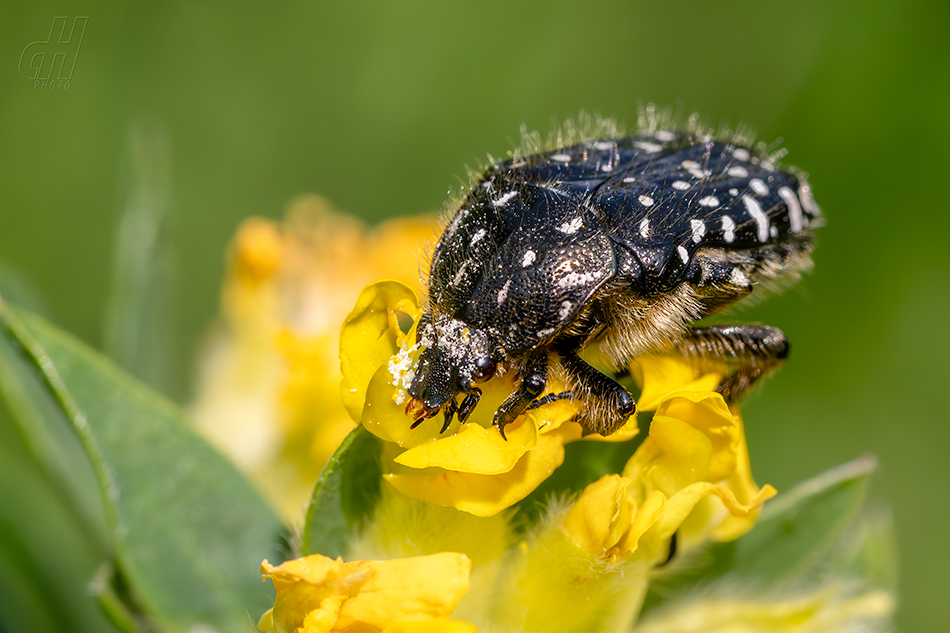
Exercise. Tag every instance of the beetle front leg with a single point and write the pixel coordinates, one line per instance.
(448, 409)
(742, 353)
(534, 378)
(468, 404)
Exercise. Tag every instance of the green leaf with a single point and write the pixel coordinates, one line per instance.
(797, 528)
(46, 557)
(138, 313)
(53, 442)
(794, 533)
(344, 496)
(189, 532)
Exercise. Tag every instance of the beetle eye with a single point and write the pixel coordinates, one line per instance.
(484, 369)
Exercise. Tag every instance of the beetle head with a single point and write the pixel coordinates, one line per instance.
(455, 356)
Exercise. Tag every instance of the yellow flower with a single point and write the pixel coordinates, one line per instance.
(589, 567)
(317, 594)
(268, 393)
(469, 466)
(689, 476)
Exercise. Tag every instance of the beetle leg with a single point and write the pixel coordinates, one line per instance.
(449, 409)
(468, 405)
(743, 353)
(534, 377)
(551, 397)
(610, 404)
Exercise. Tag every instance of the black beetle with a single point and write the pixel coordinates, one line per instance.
(621, 241)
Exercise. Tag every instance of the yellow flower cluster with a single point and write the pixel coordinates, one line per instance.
(587, 565)
(268, 387)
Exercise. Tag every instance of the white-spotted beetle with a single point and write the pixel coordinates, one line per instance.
(622, 241)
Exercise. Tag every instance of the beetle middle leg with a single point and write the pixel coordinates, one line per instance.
(551, 397)
(609, 404)
(534, 378)
(743, 353)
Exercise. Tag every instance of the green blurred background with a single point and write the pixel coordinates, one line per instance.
(203, 113)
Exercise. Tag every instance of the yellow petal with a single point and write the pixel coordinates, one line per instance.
(678, 507)
(369, 337)
(266, 623)
(486, 495)
(323, 619)
(407, 588)
(693, 437)
(316, 593)
(386, 418)
(659, 376)
(601, 515)
(475, 449)
(257, 250)
(643, 519)
(302, 586)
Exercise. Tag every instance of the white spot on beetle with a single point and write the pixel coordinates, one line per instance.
(565, 310)
(604, 145)
(649, 147)
(680, 185)
(794, 209)
(573, 280)
(479, 234)
(709, 201)
(773, 231)
(461, 274)
(502, 201)
(741, 153)
(699, 229)
(571, 227)
(729, 229)
(738, 171)
(665, 136)
(808, 201)
(529, 257)
(695, 169)
(561, 158)
(738, 278)
(759, 187)
(761, 220)
(683, 253)
(454, 224)
(503, 293)
(629, 179)
(733, 192)
(647, 201)
(645, 228)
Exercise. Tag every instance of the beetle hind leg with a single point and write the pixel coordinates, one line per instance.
(608, 404)
(743, 353)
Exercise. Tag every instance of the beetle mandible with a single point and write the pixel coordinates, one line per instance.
(623, 241)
